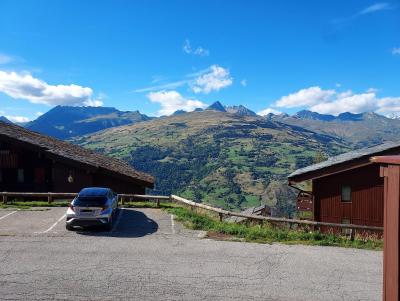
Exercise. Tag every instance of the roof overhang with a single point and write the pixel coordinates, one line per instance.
(393, 160)
(328, 171)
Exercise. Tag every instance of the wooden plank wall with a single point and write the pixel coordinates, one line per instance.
(391, 261)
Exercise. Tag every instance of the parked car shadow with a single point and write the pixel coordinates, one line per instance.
(127, 223)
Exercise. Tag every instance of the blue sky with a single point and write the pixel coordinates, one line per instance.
(159, 56)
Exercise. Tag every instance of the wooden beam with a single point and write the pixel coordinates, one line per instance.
(274, 219)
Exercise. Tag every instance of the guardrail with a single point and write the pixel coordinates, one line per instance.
(51, 196)
(156, 198)
(222, 213)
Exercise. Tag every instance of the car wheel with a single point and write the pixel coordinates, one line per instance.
(69, 227)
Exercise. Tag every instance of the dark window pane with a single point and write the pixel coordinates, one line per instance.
(346, 193)
(90, 201)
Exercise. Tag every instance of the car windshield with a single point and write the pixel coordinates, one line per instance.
(86, 201)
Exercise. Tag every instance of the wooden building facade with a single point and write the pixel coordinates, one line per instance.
(31, 162)
(346, 189)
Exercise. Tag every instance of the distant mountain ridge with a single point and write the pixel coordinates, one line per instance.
(4, 119)
(64, 122)
(359, 130)
(346, 116)
(216, 106)
(238, 110)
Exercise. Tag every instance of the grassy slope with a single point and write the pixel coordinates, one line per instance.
(219, 158)
(268, 234)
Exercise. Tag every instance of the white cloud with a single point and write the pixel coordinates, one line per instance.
(25, 86)
(268, 111)
(357, 103)
(333, 102)
(186, 47)
(389, 106)
(216, 79)
(243, 82)
(172, 101)
(206, 80)
(375, 7)
(166, 86)
(396, 51)
(5, 59)
(200, 51)
(17, 118)
(305, 97)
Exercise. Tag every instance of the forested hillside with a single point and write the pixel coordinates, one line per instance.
(228, 160)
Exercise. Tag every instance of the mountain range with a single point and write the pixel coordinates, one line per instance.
(64, 122)
(224, 159)
(357, 130)
(227, 156)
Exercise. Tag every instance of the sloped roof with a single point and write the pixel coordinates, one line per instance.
(259, 210)
(363, 153)
(74, 152)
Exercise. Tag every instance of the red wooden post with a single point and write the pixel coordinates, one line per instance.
(391, 234)
(391, 221)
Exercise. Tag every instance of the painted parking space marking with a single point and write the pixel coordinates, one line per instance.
(53, 225)
(4, 216)
(172, 224)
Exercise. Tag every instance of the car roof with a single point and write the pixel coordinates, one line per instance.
(94, 191)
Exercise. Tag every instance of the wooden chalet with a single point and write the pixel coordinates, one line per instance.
(345, 188)
(31, 162)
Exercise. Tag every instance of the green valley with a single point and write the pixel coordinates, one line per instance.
(224, 159)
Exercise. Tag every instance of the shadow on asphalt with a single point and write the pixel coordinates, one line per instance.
(131, 224)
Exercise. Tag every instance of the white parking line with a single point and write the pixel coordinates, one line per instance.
(120, 211)
(53, 225)
(172, 224)
(7, 215)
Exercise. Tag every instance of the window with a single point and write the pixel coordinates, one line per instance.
(20, 175)
(346, 193)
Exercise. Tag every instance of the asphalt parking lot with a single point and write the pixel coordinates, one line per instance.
(150, 256)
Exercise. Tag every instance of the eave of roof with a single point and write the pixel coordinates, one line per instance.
(386, 159)
(341, 162)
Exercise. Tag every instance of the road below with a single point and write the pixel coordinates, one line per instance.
(149, 256)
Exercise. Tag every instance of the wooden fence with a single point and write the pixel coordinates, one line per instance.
(50, 196)
(223, 213)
